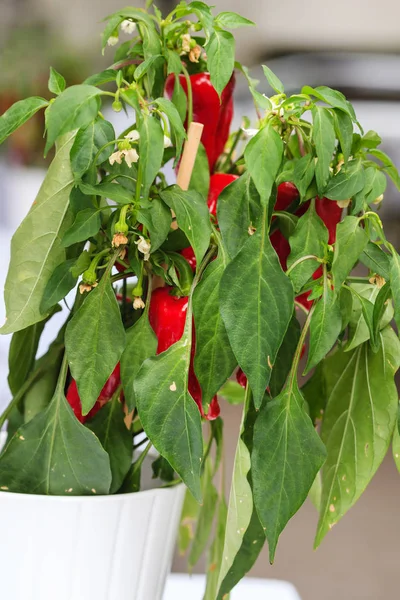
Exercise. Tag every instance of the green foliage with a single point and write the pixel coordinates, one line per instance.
(39, 239)
(94, 342)
(18, 114)
(54, 454)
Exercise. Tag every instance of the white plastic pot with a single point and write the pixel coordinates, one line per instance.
(88, 548)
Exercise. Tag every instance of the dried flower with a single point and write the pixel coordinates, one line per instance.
(112, 40)
(138, 303)
(144, 246)
(195, 54)
(377, 280)
(128, 26)
(86, 287)
(119, 239)
(186, 42)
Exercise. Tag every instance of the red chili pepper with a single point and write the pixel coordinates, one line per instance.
(106, 394)
(218, 182)
(215, 114)
(167, 316)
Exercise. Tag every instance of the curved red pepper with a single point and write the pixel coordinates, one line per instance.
(106, 394)
(167, 316)
(218, 182)
(215, 114)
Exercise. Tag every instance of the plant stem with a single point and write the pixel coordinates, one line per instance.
(20, 394)
(302, 259)
(189, 96)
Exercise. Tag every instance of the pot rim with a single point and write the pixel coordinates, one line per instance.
(93, 498)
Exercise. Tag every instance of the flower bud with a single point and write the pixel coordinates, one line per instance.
(113, 40)
(117, 106)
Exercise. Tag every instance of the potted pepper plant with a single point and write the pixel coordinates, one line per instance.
(238, 269)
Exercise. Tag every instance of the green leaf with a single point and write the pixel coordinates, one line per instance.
(168, 108)
(396, 448)
(22, 353)
(360, 326)
(157, 218)
(244, 537)
(357, 427)
(169, 415)
(232, 392)
(231, 20)
(376, 259)
(151, 150)
(379, 309)
(216, 551)
(273, 80)
(56, 82)
(260, 99)
(59, 285)
(18, 114)
(141, 343)
(389, 166)
(109, 426)
(179, 99)
(174, 64)
(192, 217)
(395, 286)
(324, 139)
(351, 240)
(309, 238)
(88, 142)
(234, 212)
(87, 224)
(375, 184)
(347, 182)
(39, 238)
(205, 516)
(200, 179)
(344, 132)
(332, 97)
(263, 155)
(303, 174)
(284, 357)
(55, 455)
(256, 303)
(214, 360)
(189, 516)
(94, 342)
(41, 392)
(286, 458)
(146, 65)
(101, 78)
(113, 191)
(76, 107)
(325, 326)
(220, 58)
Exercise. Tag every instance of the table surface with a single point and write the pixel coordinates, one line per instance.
(183, 586)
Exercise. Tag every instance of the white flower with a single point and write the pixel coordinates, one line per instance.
(133, 135)
(128, 26)
(138, 303)
(116, 157)
(131, 156)
(112, 40)
(250, 132)
(167, 141)
(186, 42)
(144, 247)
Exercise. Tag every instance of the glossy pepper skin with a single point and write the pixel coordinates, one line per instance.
(106, 394)
(167, 316)
(215, 114)
(218, 182)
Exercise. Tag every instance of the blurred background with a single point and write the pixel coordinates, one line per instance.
(351, 45)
